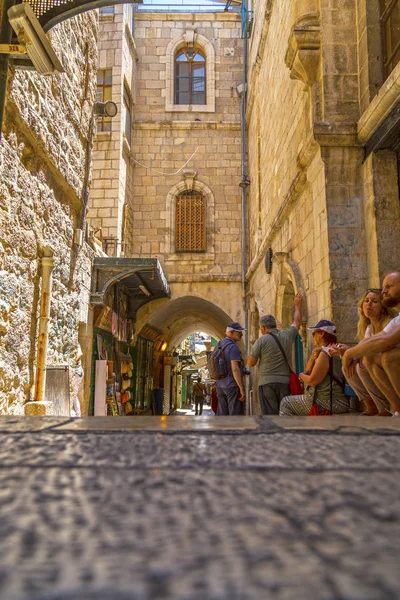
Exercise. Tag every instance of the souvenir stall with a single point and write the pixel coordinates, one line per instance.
(122, 366)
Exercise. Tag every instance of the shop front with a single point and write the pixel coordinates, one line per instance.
(123, 362)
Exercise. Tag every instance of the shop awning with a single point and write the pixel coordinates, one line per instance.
(142, 279)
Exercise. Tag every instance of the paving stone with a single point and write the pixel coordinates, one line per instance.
(142, 515)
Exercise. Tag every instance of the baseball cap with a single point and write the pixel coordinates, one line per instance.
(268, 321)
(324, 325)
(235, 327)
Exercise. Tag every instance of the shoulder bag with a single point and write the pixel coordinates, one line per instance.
(296, 386)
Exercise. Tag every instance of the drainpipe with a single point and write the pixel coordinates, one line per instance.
(47, 268)
(245, 182)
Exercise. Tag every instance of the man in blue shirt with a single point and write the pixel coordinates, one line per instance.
(230, 390)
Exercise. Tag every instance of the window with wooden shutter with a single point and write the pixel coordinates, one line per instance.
(190, 222)
(390, 27)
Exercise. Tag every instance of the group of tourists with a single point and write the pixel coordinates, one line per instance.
(371, 368)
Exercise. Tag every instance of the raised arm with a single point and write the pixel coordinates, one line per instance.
(297, 311)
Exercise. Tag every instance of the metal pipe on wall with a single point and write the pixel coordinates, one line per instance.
(45, 302)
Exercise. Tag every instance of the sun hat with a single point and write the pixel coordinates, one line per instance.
(235, 327)
(324, 325)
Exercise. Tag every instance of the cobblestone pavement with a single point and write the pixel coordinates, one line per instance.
(259, 513)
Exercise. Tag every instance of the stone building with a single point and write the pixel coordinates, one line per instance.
(44, 176)
(166, 172)
(322, 139)
(322, 207)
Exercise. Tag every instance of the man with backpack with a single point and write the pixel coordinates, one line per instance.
(227, 360)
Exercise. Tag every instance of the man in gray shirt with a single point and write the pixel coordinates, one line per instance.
(273, 370)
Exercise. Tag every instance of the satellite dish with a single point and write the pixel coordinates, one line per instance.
(268, 261)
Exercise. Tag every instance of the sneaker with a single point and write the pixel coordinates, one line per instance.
(396, 414)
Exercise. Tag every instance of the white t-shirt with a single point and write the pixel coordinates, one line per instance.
(393, 324)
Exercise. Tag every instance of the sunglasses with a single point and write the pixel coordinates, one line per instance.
(374, 290)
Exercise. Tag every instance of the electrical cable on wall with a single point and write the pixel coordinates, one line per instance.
(161, 172)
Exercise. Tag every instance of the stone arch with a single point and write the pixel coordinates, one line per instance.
(170, 206)
(189, 37)
(290, 282)
(186, 314)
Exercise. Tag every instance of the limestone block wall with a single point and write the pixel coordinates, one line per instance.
(312, 197)
(112, 178)
(287, 201)
(165, 138)
(42, 169)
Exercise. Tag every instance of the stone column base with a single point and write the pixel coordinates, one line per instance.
(39, 409)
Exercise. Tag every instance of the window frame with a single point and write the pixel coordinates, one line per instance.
(104, 123)
(191, 63)
(179, 248)
(385, 13)
(208, 51)
(128, 105)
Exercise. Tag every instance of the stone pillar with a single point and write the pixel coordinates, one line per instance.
(346, 234)
(382, 214)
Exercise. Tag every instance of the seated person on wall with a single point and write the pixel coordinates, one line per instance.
(373, 318)
(381, 352)
(317, 378)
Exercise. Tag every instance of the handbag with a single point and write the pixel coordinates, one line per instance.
(319, 411)
(296, 386)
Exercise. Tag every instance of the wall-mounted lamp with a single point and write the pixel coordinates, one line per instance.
(244, 183)
(105, 109)
(144, 289)
(164, 346)
(31, 35)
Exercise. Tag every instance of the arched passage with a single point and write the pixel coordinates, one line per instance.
(180, 317)
(176, 319)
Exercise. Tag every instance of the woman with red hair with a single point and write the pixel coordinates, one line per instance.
(322, 377)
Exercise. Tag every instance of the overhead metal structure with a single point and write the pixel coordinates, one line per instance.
(189, 6)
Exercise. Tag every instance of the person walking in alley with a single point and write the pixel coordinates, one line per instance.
(198, 395)
(230, 389)
(381, 352)
(273, 367)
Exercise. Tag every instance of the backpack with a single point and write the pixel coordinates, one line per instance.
(216, 364)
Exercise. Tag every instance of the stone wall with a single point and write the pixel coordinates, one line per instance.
(112, 185)
(329, 217)
(165, 138)
(43, 154)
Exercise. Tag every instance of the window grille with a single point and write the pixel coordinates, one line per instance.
(104, 93)
(190, 222)
(128, 115)
(190, 77)
(390, 29)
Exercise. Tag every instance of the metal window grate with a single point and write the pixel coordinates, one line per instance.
(190, 222)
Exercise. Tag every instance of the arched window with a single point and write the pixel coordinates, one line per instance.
(190, 222)
(190, 77)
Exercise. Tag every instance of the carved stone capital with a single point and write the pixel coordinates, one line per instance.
(303, 55)
(189, 176)
(190, 35)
